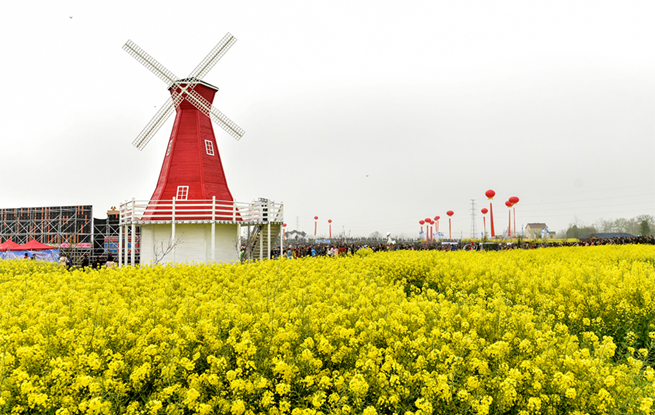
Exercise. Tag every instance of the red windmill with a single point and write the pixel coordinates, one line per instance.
(192, 168)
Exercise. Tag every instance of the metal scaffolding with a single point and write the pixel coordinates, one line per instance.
(53, 225)
(72, 229)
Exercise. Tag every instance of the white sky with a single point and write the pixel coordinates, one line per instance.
(374, 114)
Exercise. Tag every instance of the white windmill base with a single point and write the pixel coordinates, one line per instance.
(200, 231)
(192, 243)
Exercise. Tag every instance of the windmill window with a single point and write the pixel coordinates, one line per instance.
(209, 146)
(182, 192)
(170, 144)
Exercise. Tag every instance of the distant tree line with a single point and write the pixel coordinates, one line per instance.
(643, 225)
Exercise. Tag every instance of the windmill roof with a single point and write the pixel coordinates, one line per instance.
(199, 81)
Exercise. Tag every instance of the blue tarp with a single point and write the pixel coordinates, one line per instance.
(50, 255)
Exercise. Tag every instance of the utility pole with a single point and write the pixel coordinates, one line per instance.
(474, 230)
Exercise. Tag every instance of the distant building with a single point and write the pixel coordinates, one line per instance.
(530, 229)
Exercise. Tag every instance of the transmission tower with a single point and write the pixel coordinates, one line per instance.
(474, 230)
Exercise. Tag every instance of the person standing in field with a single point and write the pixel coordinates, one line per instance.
(110, 261)
(85, 261)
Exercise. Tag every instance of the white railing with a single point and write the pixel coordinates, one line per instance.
(198, 211)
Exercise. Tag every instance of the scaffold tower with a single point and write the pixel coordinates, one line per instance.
(53, 225)
(474, 229)
(73, 229)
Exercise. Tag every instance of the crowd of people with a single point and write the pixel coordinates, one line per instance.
(348, 248)
(86, 262)
(314, 250)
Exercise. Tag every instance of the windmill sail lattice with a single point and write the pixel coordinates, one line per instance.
(192, 168)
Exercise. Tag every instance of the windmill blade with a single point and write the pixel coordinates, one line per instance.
(157, 121)
(149, 62)
(218, 117)
(198, 101)
(214, 56)
(225, 123)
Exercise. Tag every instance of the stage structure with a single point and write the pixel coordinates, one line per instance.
(51, 225)
(192, 216)
(73, 229)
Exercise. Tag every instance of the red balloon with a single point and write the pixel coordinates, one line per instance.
(450, 213)
(437, 217)
(329, 220)
(428, 220)
(514, 200)
(285, 225)
(431, 222)
(484, 211)
(315, 217)
(508, 203)
(422, 222)
(490, 194)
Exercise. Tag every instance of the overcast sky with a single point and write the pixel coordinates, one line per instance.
(374, 114)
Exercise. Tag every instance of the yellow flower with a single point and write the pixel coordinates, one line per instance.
(282, 388)
(238, 407)
(610, 381)
(268, 399)
(358, 385)
(191, 396)
(537, 330)
(318, 399)
(370, 411)
(534, 404)
(424, 405)
(154, 407)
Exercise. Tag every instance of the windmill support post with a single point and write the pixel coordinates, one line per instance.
(125, 245)
(261, 247)
(238, 238)
(213, 228)
(133, 251)
(120, 246)
(173, 229)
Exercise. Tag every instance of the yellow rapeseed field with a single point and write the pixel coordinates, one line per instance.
(549, 331)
